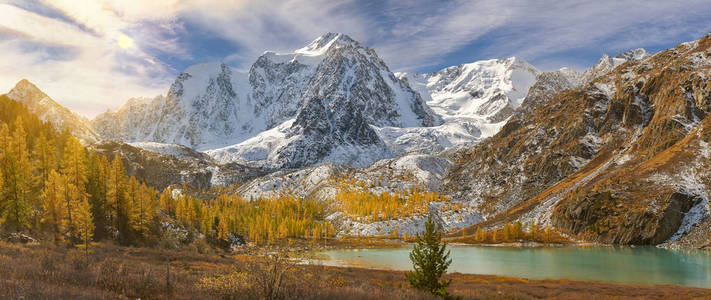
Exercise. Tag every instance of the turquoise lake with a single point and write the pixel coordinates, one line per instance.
(637, 265)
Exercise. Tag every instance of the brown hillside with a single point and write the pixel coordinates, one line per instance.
(619, 160)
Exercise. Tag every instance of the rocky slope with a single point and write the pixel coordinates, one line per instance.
(50, 111)
(389, 175)
(163, 165)
(620, 159)
(607, 64)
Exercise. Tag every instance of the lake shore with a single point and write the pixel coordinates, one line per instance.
(582, 262)
(114, 272)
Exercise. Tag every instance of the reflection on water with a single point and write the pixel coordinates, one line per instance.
(645, 265)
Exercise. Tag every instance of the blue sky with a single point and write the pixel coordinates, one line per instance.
(93, 55)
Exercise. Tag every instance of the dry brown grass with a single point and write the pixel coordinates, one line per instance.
(49, 272)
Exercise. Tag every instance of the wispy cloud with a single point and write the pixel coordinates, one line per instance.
(73, 53)
(69, 47)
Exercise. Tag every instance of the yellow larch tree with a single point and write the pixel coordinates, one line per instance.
(167, 202)
(73, 168)
(45, 159)
(53, 205)
(84, 223)
(143, 208)
(4, 145)
(16, 207)
(116, 197)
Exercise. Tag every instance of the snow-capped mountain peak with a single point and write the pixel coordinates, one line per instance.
(634, 54)
(606, 63)
(328, 93)
(486, 91)
(320, 45)
(49, 110)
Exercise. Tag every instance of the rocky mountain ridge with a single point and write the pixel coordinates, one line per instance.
(49, 110)
(320, 100)
(620, 159)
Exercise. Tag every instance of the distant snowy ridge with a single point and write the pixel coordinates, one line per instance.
(333, 100)
(607, 63)
(473, 100)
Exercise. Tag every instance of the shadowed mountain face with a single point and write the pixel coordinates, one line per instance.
(621, 159)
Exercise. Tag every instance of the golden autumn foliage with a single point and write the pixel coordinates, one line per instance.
(515, 232)
(70, 199)
(52, 184)
(17, 190)
(54, 218)
(354, 202)
(264, 220)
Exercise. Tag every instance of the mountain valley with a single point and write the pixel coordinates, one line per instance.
(618, 154)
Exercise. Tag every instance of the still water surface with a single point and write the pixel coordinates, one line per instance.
(641, 265)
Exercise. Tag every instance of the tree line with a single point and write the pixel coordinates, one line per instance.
(53, 187)
(355, 201)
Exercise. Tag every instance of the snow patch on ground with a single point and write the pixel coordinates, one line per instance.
(429, 139)
(690, 182)
(256, 150)
(623, 159)
(694, 216)
(448, 219)
(608, 88)
(578, 162)
(705, 149)
(298, 183)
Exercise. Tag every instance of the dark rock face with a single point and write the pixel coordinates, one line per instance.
(349, 91)
(603, 217)
(276, 88)
(548, 84)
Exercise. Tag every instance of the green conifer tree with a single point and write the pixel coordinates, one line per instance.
(430, 261)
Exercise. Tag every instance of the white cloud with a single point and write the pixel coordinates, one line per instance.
(414, 34)
(69, 47)
(257, 26)
(80, 62)
(543, 28)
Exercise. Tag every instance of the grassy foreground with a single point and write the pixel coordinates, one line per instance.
(41, 271)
